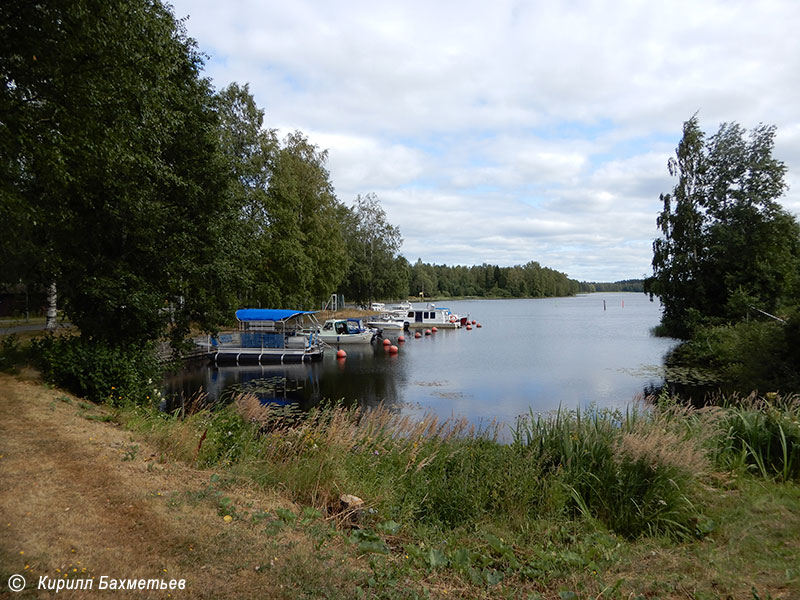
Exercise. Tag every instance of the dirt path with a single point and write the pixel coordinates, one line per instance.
(84, 498)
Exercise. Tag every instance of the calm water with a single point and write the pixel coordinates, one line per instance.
(528, 355)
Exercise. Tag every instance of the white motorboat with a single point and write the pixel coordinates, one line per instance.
(346, 331)
(432, 316)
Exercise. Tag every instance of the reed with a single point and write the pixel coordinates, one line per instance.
(635, 472)
(762, 435)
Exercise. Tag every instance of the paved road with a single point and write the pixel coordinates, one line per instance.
(29, 327)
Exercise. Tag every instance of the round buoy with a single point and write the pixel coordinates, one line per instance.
(393, 349)
(479, 325)
(427, 332)
(434, 330)
(418, 335)
(401, 339)
(341, 354)
(386, 341)
(474, 321)
(469, 327)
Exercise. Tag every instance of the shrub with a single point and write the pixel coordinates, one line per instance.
(97, 371)
(749, 355)
(12, 355)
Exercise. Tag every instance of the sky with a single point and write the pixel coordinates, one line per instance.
(503, 132)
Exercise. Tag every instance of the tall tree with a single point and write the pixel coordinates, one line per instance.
(373, 244)
(303, 249)
(252, 150)
(752, 241)
(677, 255)
(726, 243)
(111, 174)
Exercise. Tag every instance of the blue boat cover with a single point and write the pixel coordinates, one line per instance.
(269, 314)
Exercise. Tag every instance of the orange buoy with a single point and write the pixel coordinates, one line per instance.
(341, 354)
(401, 339)
(427, 332)
(418, 335)
(479, 325)
(474, 321)
(393, 349)
(386, 341)
(469, 327)
(434, 330)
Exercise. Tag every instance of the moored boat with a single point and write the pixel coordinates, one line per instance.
(268, 335)
(346, 331)
(387, 322)
(432, 316)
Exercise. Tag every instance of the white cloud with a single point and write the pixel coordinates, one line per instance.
(510, 131)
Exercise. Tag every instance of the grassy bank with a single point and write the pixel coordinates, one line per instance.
(565, 511)
(246, 501)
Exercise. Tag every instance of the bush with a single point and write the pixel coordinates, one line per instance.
(12, 355)
(760, 355)
(97, 371)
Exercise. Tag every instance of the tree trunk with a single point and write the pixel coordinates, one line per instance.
(52, 308)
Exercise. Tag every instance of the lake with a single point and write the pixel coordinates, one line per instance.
(529, 354)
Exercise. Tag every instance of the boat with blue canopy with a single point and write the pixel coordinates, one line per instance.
(267, 335)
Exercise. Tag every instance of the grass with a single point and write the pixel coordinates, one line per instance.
(245, 500)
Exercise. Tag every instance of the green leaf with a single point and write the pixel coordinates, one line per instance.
(436, 558)
(286, 515)
(389, 527)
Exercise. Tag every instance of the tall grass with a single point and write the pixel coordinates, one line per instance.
(761, 435)
(635, 471)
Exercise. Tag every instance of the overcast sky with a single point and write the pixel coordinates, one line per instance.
(504, 132)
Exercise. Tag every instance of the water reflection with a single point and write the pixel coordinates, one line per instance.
(368, 376)
(530, 355)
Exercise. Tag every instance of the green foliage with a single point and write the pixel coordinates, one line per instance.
(99, 372)
(726, 243)
(745, 356)
(617, 469)
(445, 493)
(520, 281)
(12, 354)
(228, 437)
(627, 285)
(113, 183)
(376, 270)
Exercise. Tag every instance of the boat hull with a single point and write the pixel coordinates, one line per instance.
(364, 337)
(429, 324)
(239, 356)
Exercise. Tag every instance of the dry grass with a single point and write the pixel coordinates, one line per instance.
(82, 497)
(659, 447)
